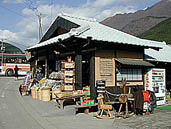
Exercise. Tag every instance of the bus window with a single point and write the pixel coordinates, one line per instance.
(9, 62)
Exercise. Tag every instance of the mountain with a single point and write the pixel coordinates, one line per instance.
(142, 20)
(160, 32)
(141, 25)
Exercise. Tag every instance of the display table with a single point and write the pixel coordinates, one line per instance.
(61, 100)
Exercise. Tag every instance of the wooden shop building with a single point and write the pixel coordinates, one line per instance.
(99, 53)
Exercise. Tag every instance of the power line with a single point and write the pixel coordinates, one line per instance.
(39, 15)
(33, 7)
(36, 13)
(10, 10)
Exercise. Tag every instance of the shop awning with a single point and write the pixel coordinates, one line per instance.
(134, 62)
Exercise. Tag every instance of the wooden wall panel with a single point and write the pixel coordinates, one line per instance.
(129, 54)
(105, 67)
(97, 68)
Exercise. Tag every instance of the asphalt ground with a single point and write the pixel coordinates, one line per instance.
(23, 112)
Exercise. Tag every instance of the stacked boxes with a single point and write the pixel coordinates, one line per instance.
(69, 75)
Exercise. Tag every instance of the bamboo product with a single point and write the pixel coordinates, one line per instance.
(33, 93)
(45, 94)
(39, 94)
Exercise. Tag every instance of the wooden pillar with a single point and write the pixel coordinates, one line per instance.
(93, 92)
(47, 65)
(78, 72)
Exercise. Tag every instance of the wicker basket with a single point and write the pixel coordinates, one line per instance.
(33, 93)
(39, 94)
(46, 87)
(45, 94)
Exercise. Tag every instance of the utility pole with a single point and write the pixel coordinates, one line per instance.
(40, 26)
(38, 14)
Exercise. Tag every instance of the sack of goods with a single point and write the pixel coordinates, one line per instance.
(56, 75)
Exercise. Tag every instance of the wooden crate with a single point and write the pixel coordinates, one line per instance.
(69, 80)
(69, 72)
(68, 65)
(69, 88)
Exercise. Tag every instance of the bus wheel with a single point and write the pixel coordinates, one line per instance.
(9, 72)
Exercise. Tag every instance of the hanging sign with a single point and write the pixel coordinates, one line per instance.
(100, 86)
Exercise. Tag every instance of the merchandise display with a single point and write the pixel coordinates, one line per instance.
(68, 69)
(57, 75)
(27, 79)
(24, 87)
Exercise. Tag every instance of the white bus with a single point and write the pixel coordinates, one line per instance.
(9, 61)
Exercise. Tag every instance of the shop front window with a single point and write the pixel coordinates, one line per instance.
(130, 74)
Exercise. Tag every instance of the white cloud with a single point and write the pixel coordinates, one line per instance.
(12, 38)
(99, 9)
(13, 1)
(27, 12)
(6, 34)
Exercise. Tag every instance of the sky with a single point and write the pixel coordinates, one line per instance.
(19, 18)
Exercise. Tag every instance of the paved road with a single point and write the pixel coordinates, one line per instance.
(17, 112)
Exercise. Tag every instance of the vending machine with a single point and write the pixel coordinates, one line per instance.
(155, 80)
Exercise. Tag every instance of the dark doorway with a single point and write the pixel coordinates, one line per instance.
(86, 70)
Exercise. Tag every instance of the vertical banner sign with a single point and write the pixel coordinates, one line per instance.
(146, 81)
(100, 86)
